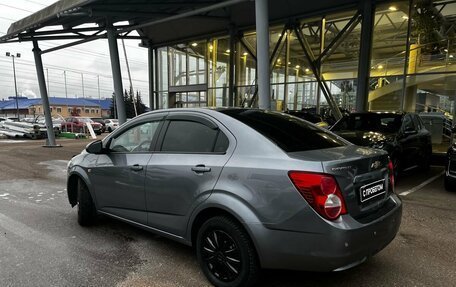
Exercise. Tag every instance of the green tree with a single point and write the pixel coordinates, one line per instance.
(128, 99)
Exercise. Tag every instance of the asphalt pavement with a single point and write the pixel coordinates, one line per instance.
(41, 243)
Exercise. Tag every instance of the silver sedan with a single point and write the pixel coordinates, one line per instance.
(249, 189)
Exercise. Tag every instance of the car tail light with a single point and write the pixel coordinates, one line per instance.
(321, 191)
(391, 174)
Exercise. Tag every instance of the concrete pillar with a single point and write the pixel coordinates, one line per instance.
(364, 65)
(151, 65)
(262, 32)
(116, 75)
(44, 95)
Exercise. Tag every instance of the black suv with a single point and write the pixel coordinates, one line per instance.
(402, 135)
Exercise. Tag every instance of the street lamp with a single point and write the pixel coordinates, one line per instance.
(18, 55)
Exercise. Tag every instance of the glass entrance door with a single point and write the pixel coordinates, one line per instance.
(191, 99)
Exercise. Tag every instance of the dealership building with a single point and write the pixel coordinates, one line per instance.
(357, 55)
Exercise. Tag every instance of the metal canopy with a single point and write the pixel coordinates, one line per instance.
(158, 22)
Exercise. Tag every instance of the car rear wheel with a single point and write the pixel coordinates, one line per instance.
(449, 184)
(87, 212)
(226, 253)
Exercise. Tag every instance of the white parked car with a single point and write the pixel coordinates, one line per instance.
(111, 124)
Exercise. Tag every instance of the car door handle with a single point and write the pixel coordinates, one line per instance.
(136, 167)
(201, 168)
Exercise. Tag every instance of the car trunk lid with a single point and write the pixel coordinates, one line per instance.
(361, 173)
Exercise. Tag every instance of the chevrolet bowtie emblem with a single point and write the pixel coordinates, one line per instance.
(376, 164)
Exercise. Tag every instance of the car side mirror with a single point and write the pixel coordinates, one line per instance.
(95, 147)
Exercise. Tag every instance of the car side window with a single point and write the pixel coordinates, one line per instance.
(408, 124)
(193, 137)
(136, 139)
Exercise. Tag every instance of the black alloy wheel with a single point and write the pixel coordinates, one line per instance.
(226, 254)
(221, 255)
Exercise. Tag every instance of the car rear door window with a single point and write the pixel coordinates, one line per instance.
(184, 136)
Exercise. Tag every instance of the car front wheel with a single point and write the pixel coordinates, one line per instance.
(226, 253)
(87, 212)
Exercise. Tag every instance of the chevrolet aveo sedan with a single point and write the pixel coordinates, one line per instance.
(248, 189)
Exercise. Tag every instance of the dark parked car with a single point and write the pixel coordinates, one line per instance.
(450, 168)
(310, 117)
(101, 121)
(246, 188)
(78, 125)
(402, 135)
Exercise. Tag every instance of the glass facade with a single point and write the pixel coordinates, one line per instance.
(412, 65)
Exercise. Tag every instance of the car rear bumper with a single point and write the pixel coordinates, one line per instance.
(341, 247)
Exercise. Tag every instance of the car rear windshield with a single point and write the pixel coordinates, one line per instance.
(289, 133)
(384, 123)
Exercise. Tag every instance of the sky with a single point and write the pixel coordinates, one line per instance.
(83, 64)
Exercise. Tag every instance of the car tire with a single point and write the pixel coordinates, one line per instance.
(449, 184)
(425, 164)
(87, 212)
(241, 267)
(109, 129)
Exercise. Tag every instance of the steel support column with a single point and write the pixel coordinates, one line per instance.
(157, 79)
(316, 71)
(262, 31)
(317, 63)
(150, 54)
(231, 68)
(364, 66)
(44, 95)
(116, 75)
(407, 56)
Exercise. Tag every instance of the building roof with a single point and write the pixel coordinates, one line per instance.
(21, 104)
(71, 102)
(25, 103)
(105, 104)
(160, 22)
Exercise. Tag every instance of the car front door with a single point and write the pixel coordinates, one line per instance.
(118, 178)
(191, 153)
